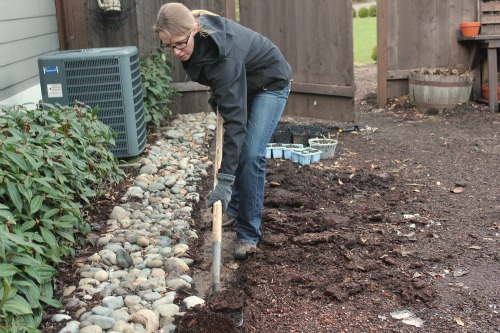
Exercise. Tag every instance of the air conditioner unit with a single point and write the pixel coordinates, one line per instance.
(107, 78)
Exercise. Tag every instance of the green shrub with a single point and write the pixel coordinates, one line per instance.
(157, 89)
(372, 11)
(363, 12)
(374, 53)
(52, 160)
(354, 12)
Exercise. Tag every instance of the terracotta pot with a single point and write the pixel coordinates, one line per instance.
(486, 91)
(470, 29)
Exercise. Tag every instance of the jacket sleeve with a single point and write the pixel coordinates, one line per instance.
(229, 86)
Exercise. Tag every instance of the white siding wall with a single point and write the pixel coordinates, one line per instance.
(28, 29)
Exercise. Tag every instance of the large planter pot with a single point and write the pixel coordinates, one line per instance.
(439, 88)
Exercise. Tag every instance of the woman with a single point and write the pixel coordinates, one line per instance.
(250, 82)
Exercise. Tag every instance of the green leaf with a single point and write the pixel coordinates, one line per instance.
(16, 134)
(48, 214)
(45, 181)
(34, 163)
(28, 181)
(18, 160)
(49, 238)
(36, 204)
(25, 260)
(7, 215)
(17, 305)
(67, 235)
(46, 290)
(50, 301)
(17, 239)
(26, 225)
(26, 192)
(30, 290)
(14, 196)
(7, 290)
(31, 271)
(46, 272)
(8, 270)
(68, 218)
(38, 248)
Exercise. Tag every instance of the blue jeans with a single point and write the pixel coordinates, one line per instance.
(247, 201)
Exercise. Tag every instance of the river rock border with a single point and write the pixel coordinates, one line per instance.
(144, 261)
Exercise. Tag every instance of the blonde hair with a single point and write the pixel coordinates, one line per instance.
(199, 12)
(176, 19)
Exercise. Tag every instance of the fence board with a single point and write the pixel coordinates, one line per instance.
(444, 33)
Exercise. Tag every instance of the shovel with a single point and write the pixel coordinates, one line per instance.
(217, 211)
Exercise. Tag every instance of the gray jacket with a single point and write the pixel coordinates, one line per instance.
(235, 62)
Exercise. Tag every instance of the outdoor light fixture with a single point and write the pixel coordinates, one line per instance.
(109, 14)
(110, 7)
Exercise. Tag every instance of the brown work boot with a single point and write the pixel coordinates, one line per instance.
(243, 249)
(227, 220)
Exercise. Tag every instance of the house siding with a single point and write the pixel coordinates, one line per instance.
(28, 29)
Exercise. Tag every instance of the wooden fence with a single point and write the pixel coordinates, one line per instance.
(315, 37)
(413, 34)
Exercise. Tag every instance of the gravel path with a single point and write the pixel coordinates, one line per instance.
(144, 261)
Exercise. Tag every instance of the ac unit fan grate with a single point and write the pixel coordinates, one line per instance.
(107, 78)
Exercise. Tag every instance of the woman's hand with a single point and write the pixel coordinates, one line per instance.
(222, 191)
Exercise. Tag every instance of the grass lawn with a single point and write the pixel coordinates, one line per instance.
(365, 39)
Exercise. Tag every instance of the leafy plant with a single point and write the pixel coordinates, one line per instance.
(157, 90)
(363, 12)
(372, 11)
(353, 12)
(51, 161)
(374, 53)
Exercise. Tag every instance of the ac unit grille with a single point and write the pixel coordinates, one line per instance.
(90, 79)
(102, 78)
(111, 117)
(94, 89)
(92, 99)
(105, 63)
(135, 68)
(92, 72)
(97, 82)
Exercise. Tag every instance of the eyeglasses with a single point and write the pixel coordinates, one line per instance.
(179, 46)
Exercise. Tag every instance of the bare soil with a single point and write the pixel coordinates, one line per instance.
(405, 216)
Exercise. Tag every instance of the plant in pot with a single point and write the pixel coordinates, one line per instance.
(325, 145)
